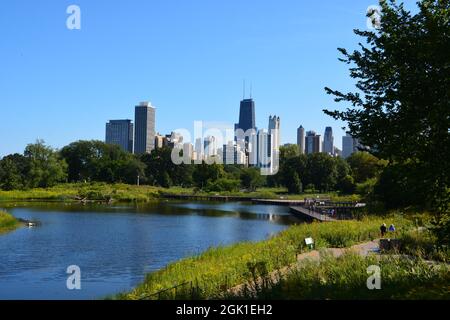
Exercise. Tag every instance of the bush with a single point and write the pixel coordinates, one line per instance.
(223, 184)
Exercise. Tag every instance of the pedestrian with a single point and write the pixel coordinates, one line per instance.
(383, 229)
(392, 228)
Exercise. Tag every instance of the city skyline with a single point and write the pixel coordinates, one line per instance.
(197, 61)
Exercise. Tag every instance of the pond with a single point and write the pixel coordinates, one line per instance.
(116, 245)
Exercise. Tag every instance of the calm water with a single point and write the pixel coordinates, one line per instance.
(115, 246)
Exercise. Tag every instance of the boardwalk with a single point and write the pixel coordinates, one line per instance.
(309, 215)
(279, 202)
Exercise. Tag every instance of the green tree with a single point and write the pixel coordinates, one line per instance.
(204, 173)
(321, 170)
(98, 161)
(45, 167)
(251, 178)
(364, 166)
(294, 184)
(13, 172)
(401, 109)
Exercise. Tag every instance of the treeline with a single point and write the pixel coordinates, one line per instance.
(96, 161)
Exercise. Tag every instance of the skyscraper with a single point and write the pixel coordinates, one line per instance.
(349, 145)
(210, 146)
(120, 132)
(274, 135)
(274, 129)
(145, 132)
(312, 142)
(328, 141)
(246, 115)
(264, 149)
(301, 139)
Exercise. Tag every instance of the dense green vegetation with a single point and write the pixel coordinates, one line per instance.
(400, 108)
(346, 277)
(7, 222)
(97, 191)
(225, 267)
(93, 161)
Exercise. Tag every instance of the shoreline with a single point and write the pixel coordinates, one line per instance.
(107, 193)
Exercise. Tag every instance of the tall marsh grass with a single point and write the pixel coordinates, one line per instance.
(7, 222)
(223, 267)
(345, 278)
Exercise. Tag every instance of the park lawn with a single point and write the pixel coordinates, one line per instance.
(7, 222)
(217, 269)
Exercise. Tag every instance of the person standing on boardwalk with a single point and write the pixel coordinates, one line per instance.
(383, 229)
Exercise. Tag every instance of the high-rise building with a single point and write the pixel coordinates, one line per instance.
(301, 139)
(312, 142)
(349, 145)
(159, 141)
(144, 134)
(199, 152)
(264, 149)
(274, 130)
(275, 141)
(120, 132)
(188, 150)
(246, 115)
(210, 146)
(328, 141)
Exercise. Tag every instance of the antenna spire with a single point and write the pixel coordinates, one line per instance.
(251, 90)
(243, 97)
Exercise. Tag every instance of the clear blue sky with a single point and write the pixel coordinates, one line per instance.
(188, 58)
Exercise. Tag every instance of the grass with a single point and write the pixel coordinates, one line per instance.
(423, 244)
(7, 222)
(346, 277)
(132, 193)
(223, 267)
(88, 191)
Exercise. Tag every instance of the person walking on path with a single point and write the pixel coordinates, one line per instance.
(383, 229)
(392, 229)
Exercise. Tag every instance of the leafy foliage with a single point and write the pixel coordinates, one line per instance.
(400, 109)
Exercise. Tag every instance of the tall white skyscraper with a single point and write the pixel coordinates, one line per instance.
(275, 141)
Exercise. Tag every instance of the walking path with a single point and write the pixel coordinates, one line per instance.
(363, 249)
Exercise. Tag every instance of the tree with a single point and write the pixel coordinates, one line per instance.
(98, 161)
(294, 185)
(321, 170)
(401, 107)
(45, 166)
(251, 178)
(13, 172)
(204, 173)
(364, 166)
